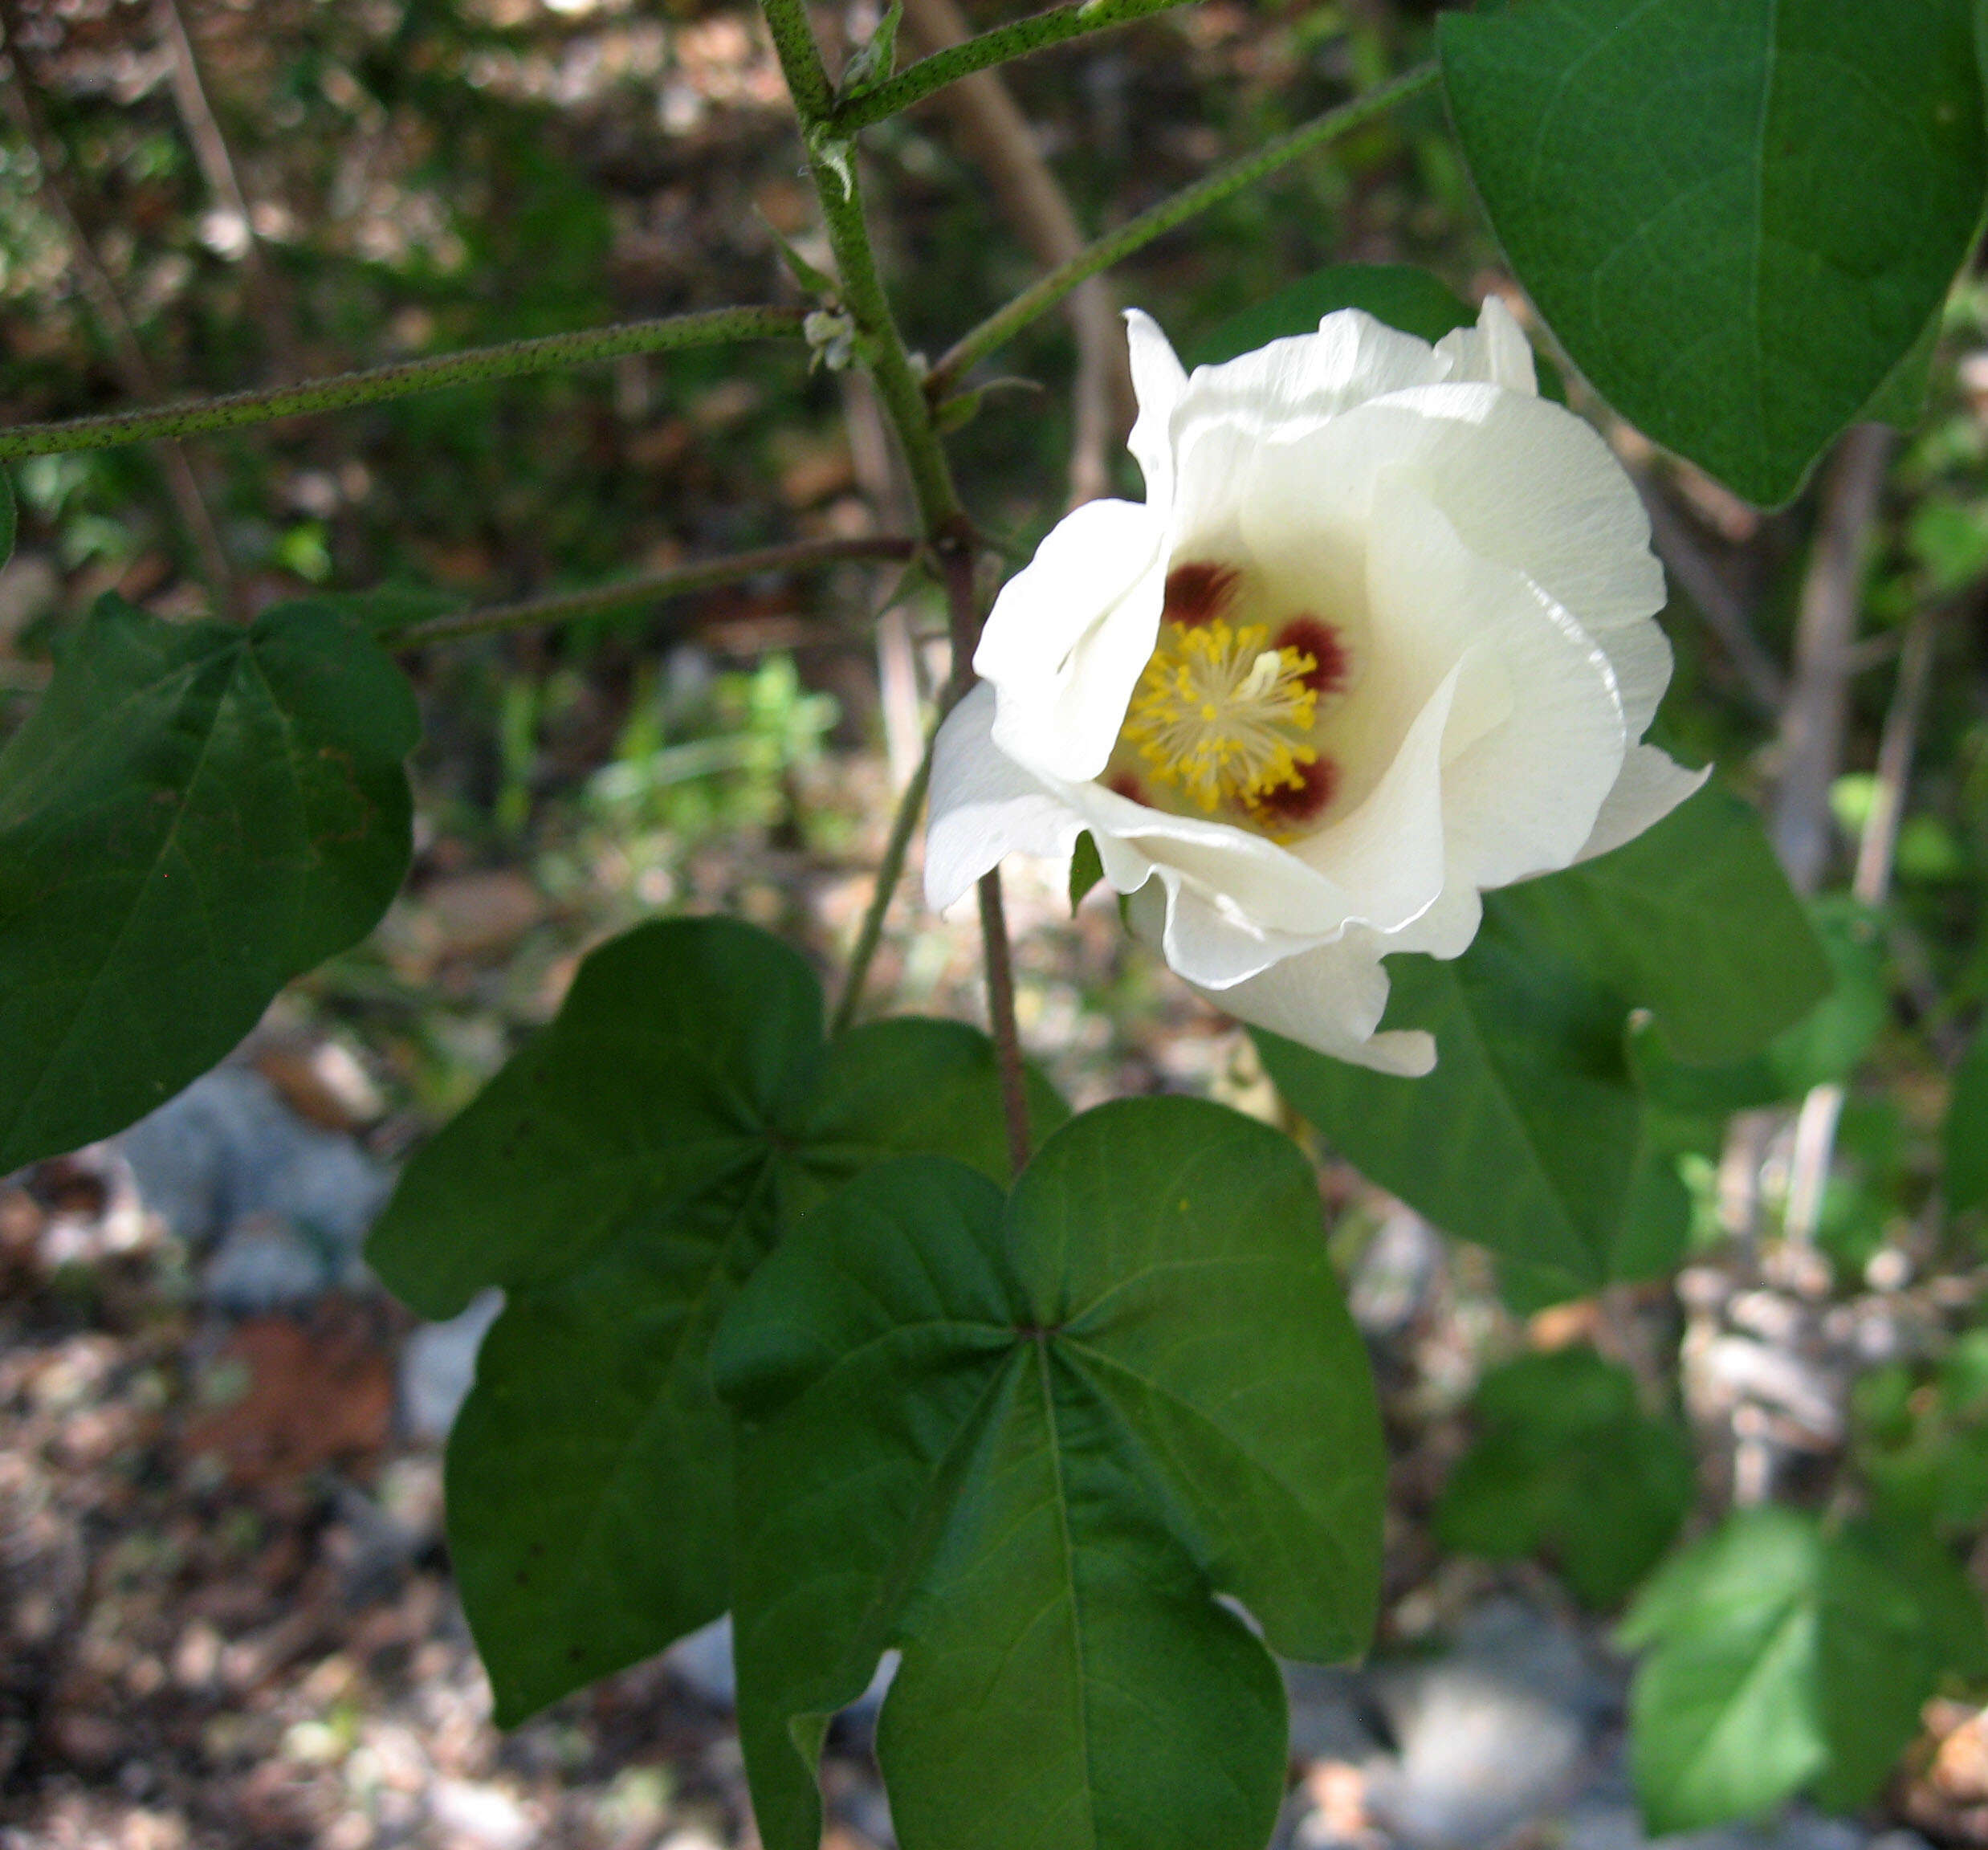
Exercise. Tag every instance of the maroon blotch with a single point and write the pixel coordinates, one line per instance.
(1199, 592)
(1299, 802)
(1315, 637)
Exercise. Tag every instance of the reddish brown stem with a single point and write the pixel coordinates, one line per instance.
(954, 549)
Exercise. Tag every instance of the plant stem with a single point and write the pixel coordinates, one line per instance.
(567, 607)
(509, 361)
(955, 564)
(1000, 1008)
(1017, 39)
(889, 870)
(832, 161)
(1004, 323)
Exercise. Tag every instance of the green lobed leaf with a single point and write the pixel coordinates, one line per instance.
(1027, 1443)
(194, 813)
(1785, 1656)
(1738, 216)
(1567, 1464)
(620, 1179)
(1532, 1134)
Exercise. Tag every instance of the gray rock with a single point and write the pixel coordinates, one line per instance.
(263, 1263)
(1395, 1274)
(438, 1368)
(228, 1150)
(1480, 1752)
(1333, 1716)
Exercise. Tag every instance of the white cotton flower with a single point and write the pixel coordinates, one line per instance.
(1379, 639)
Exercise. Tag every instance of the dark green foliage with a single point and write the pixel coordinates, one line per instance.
(1738, 216)
(1026, 1444)
(1565, 1463)
(1533, 1135)
(620, 1179)
(1785, 1655)
(1967, 1130)
(194, 814)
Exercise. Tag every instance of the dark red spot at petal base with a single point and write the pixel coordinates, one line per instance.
(1315, 637)
(1123, 784)
(1291, 803)
(1199, 592)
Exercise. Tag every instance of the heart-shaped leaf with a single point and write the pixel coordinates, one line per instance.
(1784, 1656)
(1533, 1135)
(195, 813)
(1738, 216)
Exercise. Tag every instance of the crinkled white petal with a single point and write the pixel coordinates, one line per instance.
(1495, 352)
(1283, 390)
(983, 805)
(1652, 783)
(1158, 380)
(1525, 483)
(1070, 634)
(1331, 1000)
(1277, 889)
(1521, 796)
(1389, 852)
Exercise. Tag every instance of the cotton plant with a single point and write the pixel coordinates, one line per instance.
(842, 1322)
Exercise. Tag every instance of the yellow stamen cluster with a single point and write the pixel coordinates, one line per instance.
(1219, 715)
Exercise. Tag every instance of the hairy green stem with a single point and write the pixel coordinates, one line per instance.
(1002, 326)
(832, 161)
(1017, 39)
(889, 870)
(508, 361)
(567, 607)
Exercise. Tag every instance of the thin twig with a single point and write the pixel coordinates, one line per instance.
(1877, 848)
(1725, 615)
(511, 360)
(889, 870)
(567, 607)
(1004, 323)
(1811, 748)
(997, 137)
(127, 352)
(1017, 39)
(964, 622)
(218, 170)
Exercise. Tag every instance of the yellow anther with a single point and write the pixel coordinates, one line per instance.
(1220, 716)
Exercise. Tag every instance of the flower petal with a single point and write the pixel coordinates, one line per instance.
(1525, 482)
(1390, 851)
(1495, 352)
(1652, 785)
(1521, 796)
(1286, 389)
(1331, 1000)
(985, 805)
(1158, 381)
(1069, 633)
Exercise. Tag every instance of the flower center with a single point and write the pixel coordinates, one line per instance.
(1220, 716)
